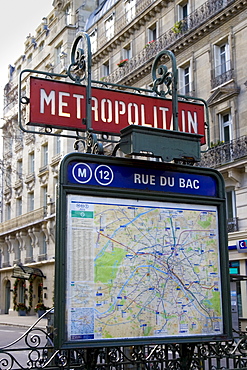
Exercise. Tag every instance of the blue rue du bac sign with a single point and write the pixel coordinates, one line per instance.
(120, 176)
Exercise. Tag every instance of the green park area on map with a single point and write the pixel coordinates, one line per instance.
(142, 269)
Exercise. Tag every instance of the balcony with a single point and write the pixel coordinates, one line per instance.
(167, 40)
(221, 74)
(225, 153)
(24, 220)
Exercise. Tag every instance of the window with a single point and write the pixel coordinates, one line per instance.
(109, 27)
(44, 195)
(43, 246)
(130, 9)
(7, 211)
(18, 207)
(68, 15)
(29, 250)
(127, 51)
(184, 77)
(21, 291)
(41, 45)
(19, 169)
(230, 204)
(57, 144)
(226, 127)
(152, 33)
(45, 155)
(93, 39)
(29, 58)
(6, 256)
(183, 10)
(8, 177)
(17, 252)
(183, 16)
(232, 222)
(31, 163)
(30, 201)
(222, 59)
(106, 68)
(58, 51)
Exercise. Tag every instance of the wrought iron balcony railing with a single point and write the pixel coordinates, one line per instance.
(165, 41)
(221, 74)
(225, 153)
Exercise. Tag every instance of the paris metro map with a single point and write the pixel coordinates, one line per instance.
(141, 269)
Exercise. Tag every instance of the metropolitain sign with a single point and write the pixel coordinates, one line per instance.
(63, 105)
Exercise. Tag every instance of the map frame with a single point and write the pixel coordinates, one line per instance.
(79, 190)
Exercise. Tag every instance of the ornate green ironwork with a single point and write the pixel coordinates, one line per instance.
(35, 350)
(79, 71)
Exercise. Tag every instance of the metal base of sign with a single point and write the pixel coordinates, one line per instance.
(166, 144)
(38, 351)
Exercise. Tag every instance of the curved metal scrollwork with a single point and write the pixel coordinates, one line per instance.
(80, 69)
(38, 352)
(92, 144)
(169, 79)
(165, 77)
(80, 58)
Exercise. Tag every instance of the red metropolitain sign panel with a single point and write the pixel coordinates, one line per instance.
(63, 105)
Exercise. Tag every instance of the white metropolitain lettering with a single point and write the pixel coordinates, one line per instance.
(62, 104)
(78, 104)
(107, 102)
(48, 99)
(143, 117)
(119, 110)
(188, 183)
(192, 122)
(109, 111)
(141, 178)
(163, 116)
(95, 108)
(133, 108)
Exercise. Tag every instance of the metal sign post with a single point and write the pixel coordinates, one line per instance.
(141, 246)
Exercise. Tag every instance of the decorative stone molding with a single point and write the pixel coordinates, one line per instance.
(29, 139)
(34, 235)
(18, 186)
(43, 174)
(21, 237)
(30, 181)
(7, 194)
(46, 232)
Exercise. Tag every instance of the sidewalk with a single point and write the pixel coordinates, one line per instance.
(22, 321)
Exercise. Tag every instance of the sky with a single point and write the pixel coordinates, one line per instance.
(19, 18)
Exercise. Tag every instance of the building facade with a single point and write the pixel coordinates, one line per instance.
(30, 168)
(207, 38)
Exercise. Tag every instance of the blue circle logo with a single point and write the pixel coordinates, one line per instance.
(82, 173)
(104, 175)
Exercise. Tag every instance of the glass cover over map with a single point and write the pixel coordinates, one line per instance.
(141, 269)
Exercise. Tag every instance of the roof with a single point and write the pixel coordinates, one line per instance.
(98, 13)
